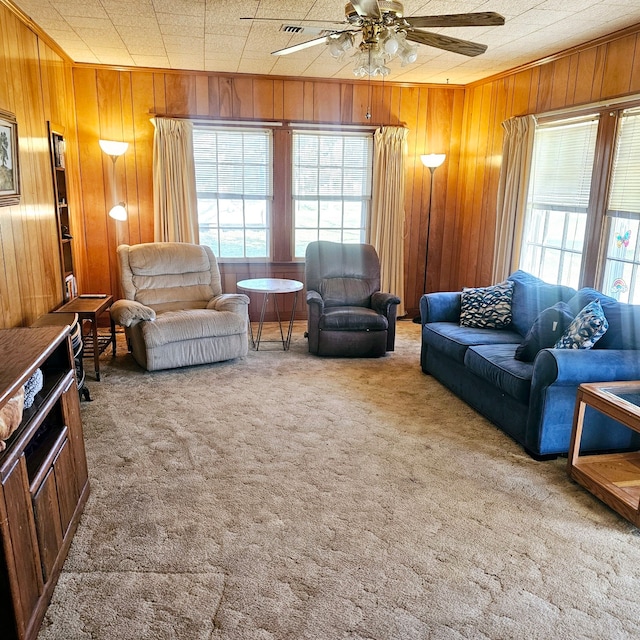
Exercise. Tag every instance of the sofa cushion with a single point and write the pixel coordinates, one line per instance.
(495, 364)
(453, 340)
(352, 319)
(623, 319)
(531, 296)
(487, 307)
(546, 330)
(585, 329)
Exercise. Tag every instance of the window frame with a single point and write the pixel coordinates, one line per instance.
(592, 268)
(342, 198)
(282, 237)
(269, 196)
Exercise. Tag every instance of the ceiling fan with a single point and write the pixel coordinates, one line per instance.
(385, 32)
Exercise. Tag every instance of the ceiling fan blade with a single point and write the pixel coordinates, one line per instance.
(447, 43)
(296, 21)
(486, 19)
(299, 47)
(367, 8)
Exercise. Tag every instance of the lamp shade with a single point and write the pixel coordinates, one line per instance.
(112, 147)
(433, 160)
(118, 212)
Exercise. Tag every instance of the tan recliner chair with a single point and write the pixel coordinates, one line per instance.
(174, 311)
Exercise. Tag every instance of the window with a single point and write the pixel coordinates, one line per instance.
(331, 189)
(623, 214)
(558, 200)
(234, 187)
(583, 211)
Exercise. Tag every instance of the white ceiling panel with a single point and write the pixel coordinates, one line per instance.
(209, 35)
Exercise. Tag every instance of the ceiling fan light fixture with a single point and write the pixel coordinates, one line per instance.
(340, 44)
(389, 42)
(408, 55)
(371, 62)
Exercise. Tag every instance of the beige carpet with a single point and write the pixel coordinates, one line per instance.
(285, 496)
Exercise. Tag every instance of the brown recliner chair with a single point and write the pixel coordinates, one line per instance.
(347, 314)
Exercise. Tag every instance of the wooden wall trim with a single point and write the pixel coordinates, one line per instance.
(253, 76)
(35, 27)
(564, 53)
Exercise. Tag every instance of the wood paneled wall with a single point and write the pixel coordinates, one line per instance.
(118, 105)
(35, 85)
(91, 103)
(609, 69)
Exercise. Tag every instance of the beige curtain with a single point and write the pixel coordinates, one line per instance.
(387, 208)
(517, 151)
(174, 182)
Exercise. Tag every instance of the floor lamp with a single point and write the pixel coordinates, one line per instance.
(432, 161)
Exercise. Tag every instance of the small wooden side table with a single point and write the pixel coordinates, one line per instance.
(612, 477)
(90, 307)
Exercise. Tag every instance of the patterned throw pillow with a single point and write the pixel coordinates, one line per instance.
(487, 307)
(585, 329)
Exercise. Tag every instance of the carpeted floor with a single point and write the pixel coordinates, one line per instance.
(286, 496)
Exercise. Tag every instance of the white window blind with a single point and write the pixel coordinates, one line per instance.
(563, 163)
(234, 187)
(624, 194)
(559, 192)
(331, 186)
(233, 161)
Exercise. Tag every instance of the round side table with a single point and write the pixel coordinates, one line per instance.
(272, 286)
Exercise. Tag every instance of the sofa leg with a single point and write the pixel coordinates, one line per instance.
(539, 458)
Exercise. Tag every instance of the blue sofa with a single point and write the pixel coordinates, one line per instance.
(533, 402)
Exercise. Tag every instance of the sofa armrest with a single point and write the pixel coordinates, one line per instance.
(127, 313)
(570, 367)
(382, 302)
(234, 302)
(443, 306)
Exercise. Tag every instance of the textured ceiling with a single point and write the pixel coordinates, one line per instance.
(209, 35)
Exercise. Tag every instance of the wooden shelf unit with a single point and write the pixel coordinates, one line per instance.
(43, 476)
(58, 165)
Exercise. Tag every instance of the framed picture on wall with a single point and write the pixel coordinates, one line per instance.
(9, 164)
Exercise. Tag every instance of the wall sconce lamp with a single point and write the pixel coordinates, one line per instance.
(432, 161)
(115, 149)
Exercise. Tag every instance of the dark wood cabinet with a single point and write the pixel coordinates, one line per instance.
(43, 476)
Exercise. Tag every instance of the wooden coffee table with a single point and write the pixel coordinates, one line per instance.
(90, 307)
(612, 477)
(272, 286)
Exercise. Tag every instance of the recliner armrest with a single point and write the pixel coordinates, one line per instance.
(314, 298)
(381, 302)
(234, 302)
(127, 313)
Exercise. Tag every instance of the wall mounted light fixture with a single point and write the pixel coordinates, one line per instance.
(115, 149)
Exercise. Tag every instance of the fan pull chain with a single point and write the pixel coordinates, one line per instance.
(368, 114)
